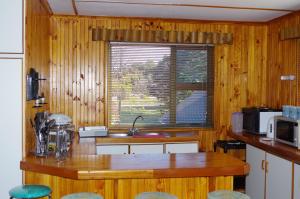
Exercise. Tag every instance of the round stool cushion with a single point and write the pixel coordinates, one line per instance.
(30, 191)
(84, 195)
(155, 195)
(225, 194)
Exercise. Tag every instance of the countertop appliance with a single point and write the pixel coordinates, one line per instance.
(287, 131)
(257, 119)
(92, 131)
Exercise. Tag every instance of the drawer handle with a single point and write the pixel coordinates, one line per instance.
(263, 164)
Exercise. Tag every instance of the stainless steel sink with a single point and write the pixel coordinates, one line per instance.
(138, 135)
(118, 134)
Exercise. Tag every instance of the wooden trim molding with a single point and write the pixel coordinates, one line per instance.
(74, 7)
(46, 6)
(159, 36)
(187, 5)
(298, 71)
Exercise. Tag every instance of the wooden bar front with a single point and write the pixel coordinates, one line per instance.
(124, 176)
(183, 188)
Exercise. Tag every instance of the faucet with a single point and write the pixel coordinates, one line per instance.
(132, 131)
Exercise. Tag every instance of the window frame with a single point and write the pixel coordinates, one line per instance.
(178, 86)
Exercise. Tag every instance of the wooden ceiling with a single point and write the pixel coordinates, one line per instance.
(223, 10)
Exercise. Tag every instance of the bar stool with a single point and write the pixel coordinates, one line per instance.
(155, 195)
(83, 195)
(30, 191)
(224, 194)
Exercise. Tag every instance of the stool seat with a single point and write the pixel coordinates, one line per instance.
(83, 195)
(30, 191)
(155, 195)
(224, 194)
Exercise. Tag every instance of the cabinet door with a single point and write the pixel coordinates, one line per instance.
(146, 148)
(112, 149)
(279, 177)
(10, 124)
(182, 148)
(255, 181)
(296, 181)
(11, 23)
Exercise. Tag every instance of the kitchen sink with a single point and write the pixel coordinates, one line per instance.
(139, 135)
(148, 135)
(118, 135)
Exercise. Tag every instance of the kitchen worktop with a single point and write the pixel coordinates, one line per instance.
(124, 176)
(282, 150)
(83, 163)
(138, 166)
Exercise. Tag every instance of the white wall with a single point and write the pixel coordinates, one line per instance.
(10, 124)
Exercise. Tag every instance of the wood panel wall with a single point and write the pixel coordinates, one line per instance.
(77, 68)
(183, 188)
(282, 60)
(37, 30)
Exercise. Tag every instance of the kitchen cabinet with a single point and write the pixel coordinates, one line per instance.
(270, 176)
(278, 177)
(296, 181)
(112, 149)
(10, 124)
(191, 147)
(11, 23)
(146, 148)
(255, 181)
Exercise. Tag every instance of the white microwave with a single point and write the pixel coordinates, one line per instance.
(287, 131)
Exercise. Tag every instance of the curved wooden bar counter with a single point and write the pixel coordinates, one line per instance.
(124, 176)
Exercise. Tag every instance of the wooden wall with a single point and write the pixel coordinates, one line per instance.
(282, 60)
(37, 49)
(77, 68)
(183, 188)
(246, 73)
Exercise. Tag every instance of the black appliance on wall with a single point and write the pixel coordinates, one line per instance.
(32, 85)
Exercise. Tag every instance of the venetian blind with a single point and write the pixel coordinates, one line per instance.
(169, 85)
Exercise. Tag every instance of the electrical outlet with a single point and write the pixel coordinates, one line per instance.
(287, 77)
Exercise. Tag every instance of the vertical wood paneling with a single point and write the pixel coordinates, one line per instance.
(63, 186)
(282, 60)
(37, 53)
(183, 188)
(240, 69)
(78, 85)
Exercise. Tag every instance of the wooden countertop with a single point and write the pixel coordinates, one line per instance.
(83, 163)
(163, 137)
(138, 166)
(282, 150)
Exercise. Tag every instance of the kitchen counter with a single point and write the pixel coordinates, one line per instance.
(138, 166)
(282, 150)
(123, 176)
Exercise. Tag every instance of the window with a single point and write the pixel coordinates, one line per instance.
(169, 85)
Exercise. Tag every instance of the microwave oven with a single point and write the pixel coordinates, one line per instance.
(258, 120)
(287, 131)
